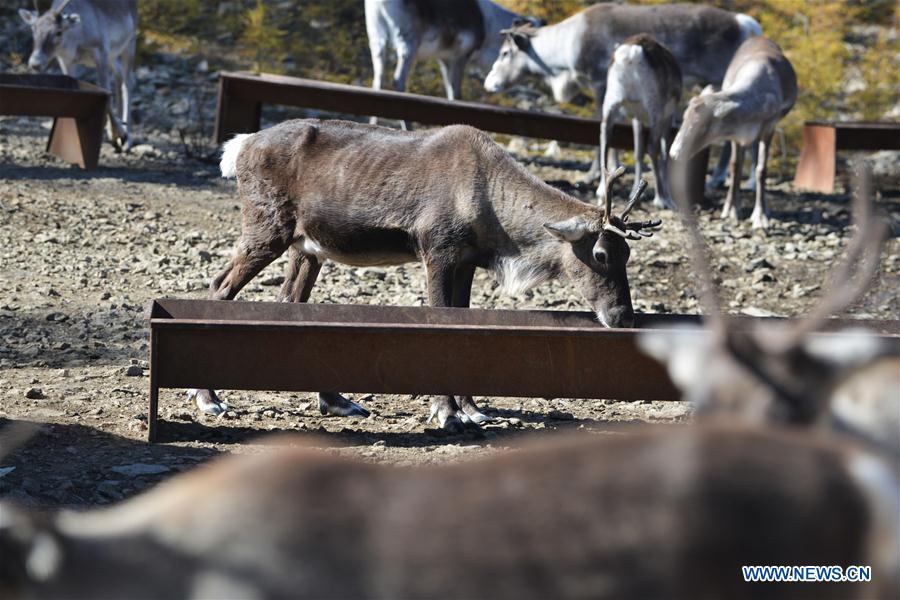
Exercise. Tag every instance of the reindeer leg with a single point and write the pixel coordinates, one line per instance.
(638, 131)
(440, 272)
(720, 173)
(659, 164)
(737, 157)
(378, 51)
(302, 271)
(462, 293)
(405, 57)
(255, 250)
(760, 217)
(115, 131)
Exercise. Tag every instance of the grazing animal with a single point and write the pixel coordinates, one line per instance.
(576, 52)
(451, 32)
(644, 82)
(658, 512)
(100, 33)
(450, 198)
(759, 89)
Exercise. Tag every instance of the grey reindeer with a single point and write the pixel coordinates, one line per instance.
(99, 33)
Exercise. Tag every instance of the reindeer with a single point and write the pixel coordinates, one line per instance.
(451, 32)
(102, 33)
(772, 373)
(654, 512)
(450, 198)
(644, 81)
(576, 52)
(760, 88)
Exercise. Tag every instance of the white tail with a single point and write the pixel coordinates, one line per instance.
(230, 152)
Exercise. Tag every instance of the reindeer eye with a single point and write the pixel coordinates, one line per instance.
(57, 33)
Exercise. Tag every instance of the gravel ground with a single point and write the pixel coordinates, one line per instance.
(81, 254)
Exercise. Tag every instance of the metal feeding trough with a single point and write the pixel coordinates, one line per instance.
(404, 350)
(78, 108)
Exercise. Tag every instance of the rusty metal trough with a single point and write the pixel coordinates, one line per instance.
(822, 140)
(78, 108)
(241, 96)
(405, 350)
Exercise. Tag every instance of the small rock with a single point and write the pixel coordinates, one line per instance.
(34, 393)
(140, 469)
(560, 415)
(758, 264)
(134, 371)
(274, 280)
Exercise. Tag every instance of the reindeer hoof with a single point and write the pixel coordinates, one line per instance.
(338, 406)
(453, 425)
(479, 417)
(207, 401)
(759, 220)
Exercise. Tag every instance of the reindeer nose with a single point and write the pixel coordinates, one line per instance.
(622, 317)
(34, 63)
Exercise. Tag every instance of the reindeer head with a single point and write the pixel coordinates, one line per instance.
(51, 33)
(515, 55)
(784, 373)
(599, 255)
(701, 124)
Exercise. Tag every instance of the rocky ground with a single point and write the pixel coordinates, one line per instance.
(81, 255)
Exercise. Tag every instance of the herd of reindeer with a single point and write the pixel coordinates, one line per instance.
(793, 457)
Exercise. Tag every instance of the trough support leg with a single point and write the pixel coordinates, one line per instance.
(154, 391)
(234, 114)
(78, 141)
(818, 160)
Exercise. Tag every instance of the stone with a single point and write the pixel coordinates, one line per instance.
(34, 393)
(137, 469)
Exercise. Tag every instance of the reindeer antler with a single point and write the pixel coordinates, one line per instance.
(58, 10)
(620, 225)
(854, 275)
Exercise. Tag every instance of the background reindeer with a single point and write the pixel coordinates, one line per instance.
(451, 32)
(760, 88)
(576, 51)
(101, 33)
(644, 82)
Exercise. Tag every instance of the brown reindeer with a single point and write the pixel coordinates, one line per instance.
(450, 198)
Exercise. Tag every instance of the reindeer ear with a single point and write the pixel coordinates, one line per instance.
(29, 16)
(570, 230)
(723, 108)
(71, 19)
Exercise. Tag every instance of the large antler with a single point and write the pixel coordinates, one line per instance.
(620, 225)
(853, 276)
(58, 10)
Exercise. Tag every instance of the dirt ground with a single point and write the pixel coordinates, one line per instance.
(81, 255)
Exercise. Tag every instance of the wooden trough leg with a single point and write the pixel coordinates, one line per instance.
(152, 419)
(235, 115)
(78, 141)
(818, 159)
